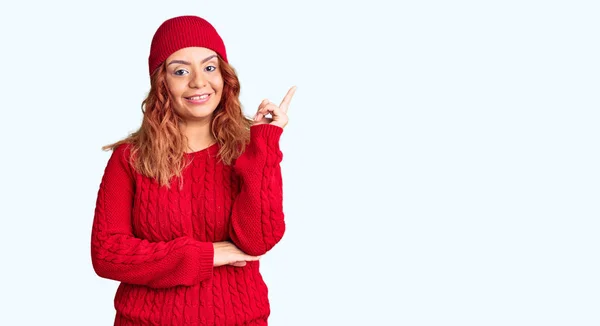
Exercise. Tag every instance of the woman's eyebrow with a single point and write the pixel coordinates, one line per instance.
(187, 63)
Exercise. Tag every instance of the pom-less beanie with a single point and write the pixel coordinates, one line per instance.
(182, 32)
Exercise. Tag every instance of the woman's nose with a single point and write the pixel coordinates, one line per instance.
(197, 81)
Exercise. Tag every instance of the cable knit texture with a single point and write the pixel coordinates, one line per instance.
(158, 242)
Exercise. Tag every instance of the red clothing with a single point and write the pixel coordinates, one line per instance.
(158, 242)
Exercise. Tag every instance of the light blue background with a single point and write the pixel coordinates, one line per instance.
(441, 163)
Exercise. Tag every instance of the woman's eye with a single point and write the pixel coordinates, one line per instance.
(177, 72)
(211, 68)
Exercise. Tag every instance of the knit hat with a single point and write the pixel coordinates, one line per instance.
(182, 32)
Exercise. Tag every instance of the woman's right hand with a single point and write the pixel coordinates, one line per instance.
(226, 253)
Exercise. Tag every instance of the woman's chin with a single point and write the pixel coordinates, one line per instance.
(196, 112)
(200, 114)
(199, 117)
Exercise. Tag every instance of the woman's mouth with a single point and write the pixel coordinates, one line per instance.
(198, 99)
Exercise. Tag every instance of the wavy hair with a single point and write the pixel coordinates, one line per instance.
(158, 146)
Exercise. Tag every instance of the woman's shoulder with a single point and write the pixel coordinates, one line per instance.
(122, 151)
(123, 148)
(121, 154)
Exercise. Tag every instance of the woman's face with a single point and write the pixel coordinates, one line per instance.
(195, 82)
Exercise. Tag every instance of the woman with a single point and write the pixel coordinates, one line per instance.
(189, 202)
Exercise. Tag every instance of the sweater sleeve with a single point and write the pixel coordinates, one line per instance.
(257, 218)
(118, 255)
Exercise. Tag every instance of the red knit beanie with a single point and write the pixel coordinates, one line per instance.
(182, 32)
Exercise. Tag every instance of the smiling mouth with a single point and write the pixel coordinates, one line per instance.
(198, 97)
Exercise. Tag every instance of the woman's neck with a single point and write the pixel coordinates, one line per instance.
(199, 135)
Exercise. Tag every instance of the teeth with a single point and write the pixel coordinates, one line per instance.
(201, 97)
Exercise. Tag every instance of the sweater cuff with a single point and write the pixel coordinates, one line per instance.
(271, 133)
(206, 258)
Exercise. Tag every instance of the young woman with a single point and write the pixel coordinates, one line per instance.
(189, 202)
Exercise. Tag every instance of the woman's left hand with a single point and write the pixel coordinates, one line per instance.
(278, 113)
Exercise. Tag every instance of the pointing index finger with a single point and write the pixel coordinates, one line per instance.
(287, 99)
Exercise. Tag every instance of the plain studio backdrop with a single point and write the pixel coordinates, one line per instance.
(441, 163)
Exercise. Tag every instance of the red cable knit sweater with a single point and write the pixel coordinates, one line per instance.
(158, 242)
